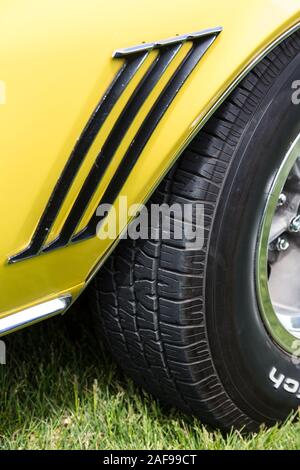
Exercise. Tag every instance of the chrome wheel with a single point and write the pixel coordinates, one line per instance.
(278, 267)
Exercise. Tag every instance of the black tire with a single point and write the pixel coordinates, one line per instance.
(186, 324)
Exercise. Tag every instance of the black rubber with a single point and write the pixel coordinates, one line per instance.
(185, 324)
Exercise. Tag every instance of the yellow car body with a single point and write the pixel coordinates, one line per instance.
(56, 64)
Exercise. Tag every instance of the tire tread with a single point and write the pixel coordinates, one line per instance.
(148, 298)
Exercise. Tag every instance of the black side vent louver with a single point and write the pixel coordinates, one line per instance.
(133, 59)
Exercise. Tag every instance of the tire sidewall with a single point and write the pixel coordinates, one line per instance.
(242, 349)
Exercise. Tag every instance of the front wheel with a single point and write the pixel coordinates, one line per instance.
(216, 331)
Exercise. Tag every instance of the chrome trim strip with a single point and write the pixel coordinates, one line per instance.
(119, 53)
(34, 314)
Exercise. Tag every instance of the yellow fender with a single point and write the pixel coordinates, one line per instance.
(58, 63)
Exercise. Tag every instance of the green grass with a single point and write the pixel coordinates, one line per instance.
(58, 392)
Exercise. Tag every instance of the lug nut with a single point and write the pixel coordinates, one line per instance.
(282, 244)
(294, 226)
(281, 200)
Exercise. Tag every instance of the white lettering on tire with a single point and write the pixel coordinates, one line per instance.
(286, 383)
